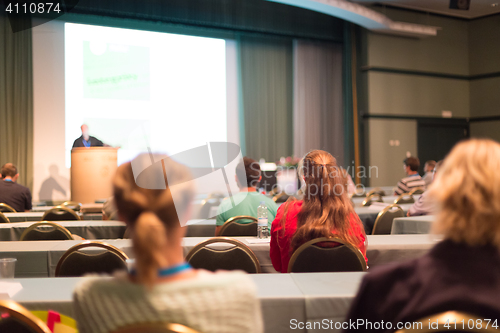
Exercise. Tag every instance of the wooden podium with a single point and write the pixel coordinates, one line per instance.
(92, 171)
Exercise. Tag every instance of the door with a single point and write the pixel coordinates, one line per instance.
(436, 138)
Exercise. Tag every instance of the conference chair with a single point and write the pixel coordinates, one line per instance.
(76, 206)
(3, 218)
(155, 328)
(16, 318)
(60, 213)
(405, 198)
(76, 262)
(376, 190)
(206, 207)
(383, 222)
(450, 321)
(316, 256)
(45, 230)
(235, 227)
(281, 197)
(238, 256)
(4, 208)
(418, 190)
(372, 198)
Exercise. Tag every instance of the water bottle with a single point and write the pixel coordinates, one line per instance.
(262, 227)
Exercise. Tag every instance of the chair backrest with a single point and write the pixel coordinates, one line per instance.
(60, 213)
(281, 197)
(372, 198)
(75, 262)
(45, 231)
(383, 222)
(417, 190)
(376, 190)
(206, 206)
(76, 206)
(239, 256)
(4, 208)
(405, 198)
(16, 318)
(3, 218)
(450, 321)
(155, 328)
(236, 227)
(338, 256)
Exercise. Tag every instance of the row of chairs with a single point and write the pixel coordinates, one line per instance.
(234, 227)
(58, 213)
(76, 206)
(16, 318)
(405, 198)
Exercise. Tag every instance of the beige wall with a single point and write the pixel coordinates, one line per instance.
(403, 94)
(407, 94)
(486, 129)
(484, 55)
(388, 158)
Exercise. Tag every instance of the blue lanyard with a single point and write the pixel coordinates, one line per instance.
(86, 143)
(170, 271)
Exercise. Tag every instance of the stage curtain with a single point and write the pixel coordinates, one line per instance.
(16, 100)
(318, 102)
(266, 97)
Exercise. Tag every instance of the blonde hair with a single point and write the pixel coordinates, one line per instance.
(467, 192)
(151, 213)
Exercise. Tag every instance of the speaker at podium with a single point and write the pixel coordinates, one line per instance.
(92, 171)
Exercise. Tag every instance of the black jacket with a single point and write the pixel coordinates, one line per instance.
(451, 277)
(94, 142)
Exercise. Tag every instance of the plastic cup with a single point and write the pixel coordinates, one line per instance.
(7, 268)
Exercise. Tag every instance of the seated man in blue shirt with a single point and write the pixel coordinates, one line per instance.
(248, 176)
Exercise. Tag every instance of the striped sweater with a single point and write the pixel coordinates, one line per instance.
(405, 185)
(210, 303)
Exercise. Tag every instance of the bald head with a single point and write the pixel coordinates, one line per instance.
(85, 131)
(9, 171)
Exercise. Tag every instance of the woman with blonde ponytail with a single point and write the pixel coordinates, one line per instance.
(325, 211)
(162, 287)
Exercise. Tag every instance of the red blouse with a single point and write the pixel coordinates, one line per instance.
(280, 242)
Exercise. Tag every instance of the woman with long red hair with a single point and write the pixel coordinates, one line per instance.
(325, 211)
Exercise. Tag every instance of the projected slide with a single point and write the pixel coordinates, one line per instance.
(142, 90)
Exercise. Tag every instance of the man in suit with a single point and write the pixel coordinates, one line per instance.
(12, 193)
(86, 140)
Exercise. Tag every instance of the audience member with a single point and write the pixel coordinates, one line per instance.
(248, 176)
(424, 206)
(413, 179)
(325, 211)
(429, 172)
(11, 193)
(163, 287)
(86, 140)
(462, 272)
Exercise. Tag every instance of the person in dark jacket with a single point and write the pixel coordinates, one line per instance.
(85, 140)
(462, 272)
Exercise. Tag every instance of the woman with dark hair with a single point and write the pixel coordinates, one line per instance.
(325, 211)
